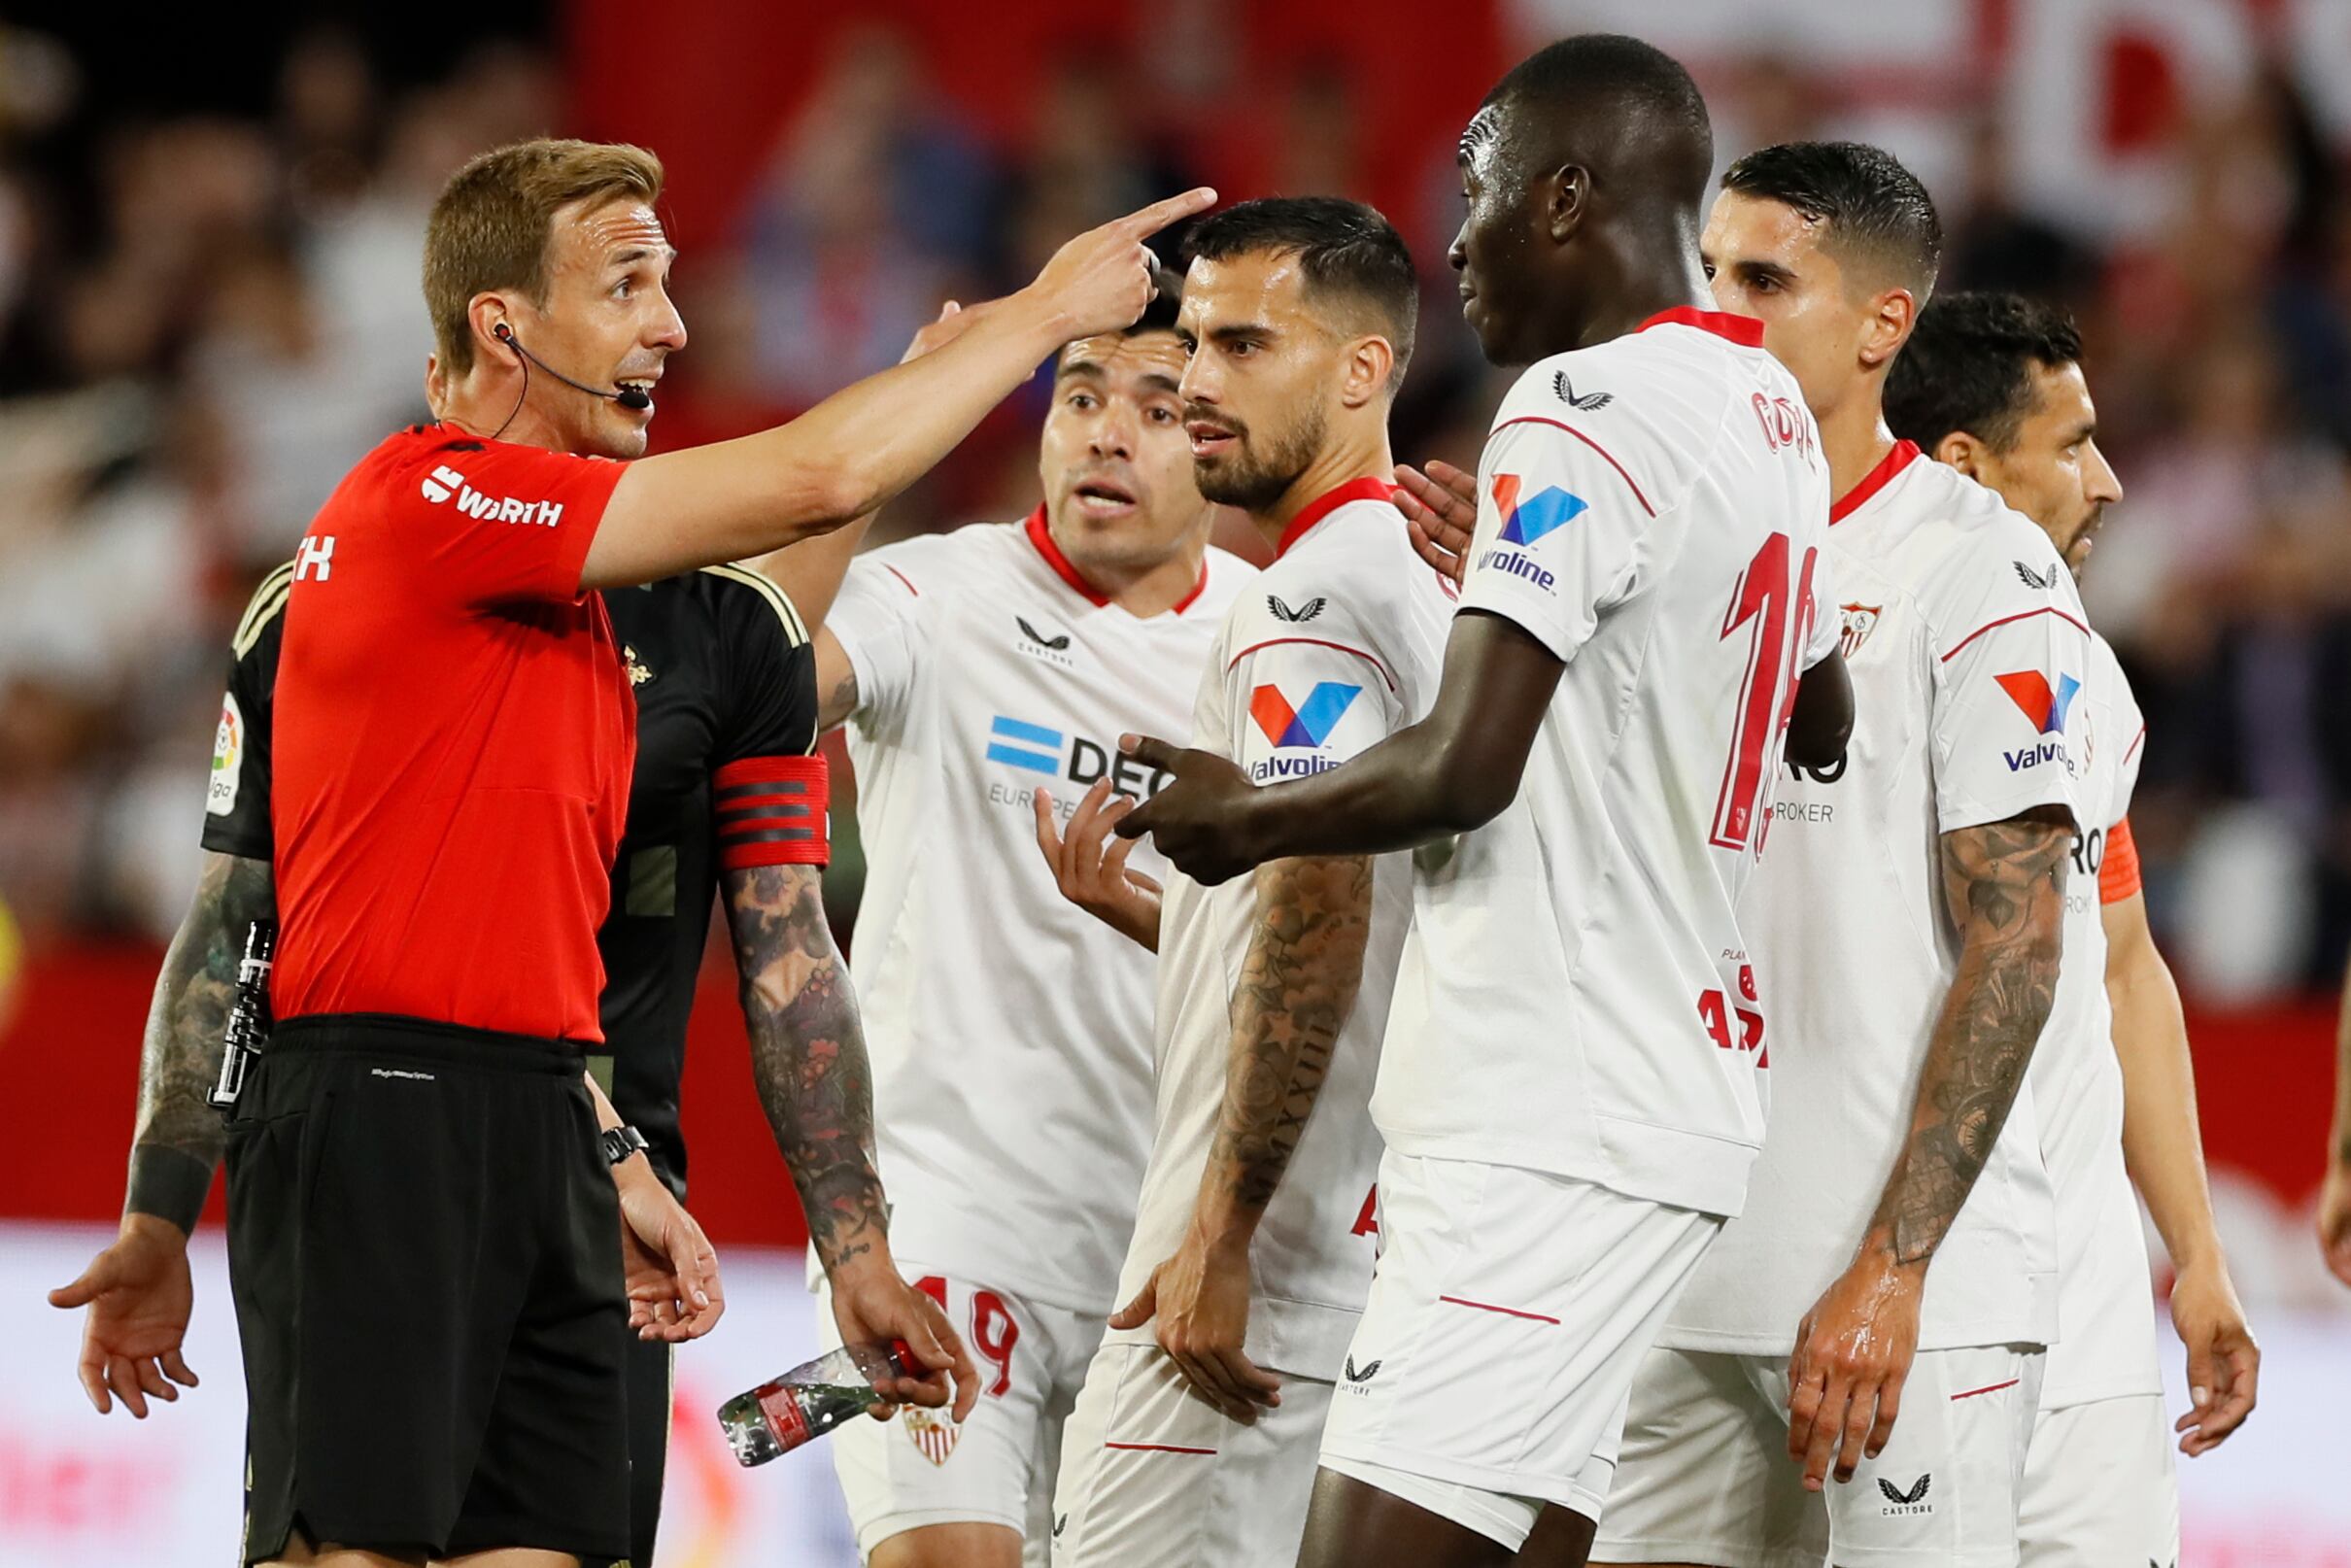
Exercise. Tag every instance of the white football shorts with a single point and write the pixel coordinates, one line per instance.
(1704, 1474)
(919, 1467)
(1507, 1317)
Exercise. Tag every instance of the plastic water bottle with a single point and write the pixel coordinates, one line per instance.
(812, 1399)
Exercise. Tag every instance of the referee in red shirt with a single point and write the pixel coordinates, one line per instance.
(422, 1217)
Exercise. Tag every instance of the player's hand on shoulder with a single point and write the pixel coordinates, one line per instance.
(2224, 1361)
(1100, 281)
(1089, 864)
(669, 1268)
(1195, 817)
(1853, 1352)
(139, 1294)
(1440, 507)
(1198, 1302)
(873, 1305)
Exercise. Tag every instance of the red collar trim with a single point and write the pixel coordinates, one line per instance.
(1744, 330)
(1369, 488)
(1041, 536)
(1904, 452)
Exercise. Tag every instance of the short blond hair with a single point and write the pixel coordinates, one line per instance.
(490, 225)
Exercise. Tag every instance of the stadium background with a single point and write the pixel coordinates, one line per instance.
(208, 309)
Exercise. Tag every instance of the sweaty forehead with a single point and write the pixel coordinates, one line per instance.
(1745, 228)
(614, 226)
(1256, 286)
(1145, 354)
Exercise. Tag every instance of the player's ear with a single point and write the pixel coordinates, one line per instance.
(1567, 193)
(1369, 364)
(1891, 316)
(485, 314)
(1962, 452)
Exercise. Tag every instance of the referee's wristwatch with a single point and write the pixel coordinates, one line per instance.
(622, 1142)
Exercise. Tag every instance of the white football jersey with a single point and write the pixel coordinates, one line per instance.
(1968, 652)
(1010, 1032)
(1575, 997)
(1335, 647)
(2105, 1347)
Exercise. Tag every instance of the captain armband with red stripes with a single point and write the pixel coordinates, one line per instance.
(772, 812)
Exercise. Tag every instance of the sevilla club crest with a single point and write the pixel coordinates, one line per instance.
(933, 1435)
(1860, 620)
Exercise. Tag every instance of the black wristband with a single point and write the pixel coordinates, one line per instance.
(168, 1183)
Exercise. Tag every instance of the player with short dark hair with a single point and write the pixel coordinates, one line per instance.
(1568, 1084)
(1992, 384)
(1906, 927)
(1194, 1441)
(979, 672)
(417, 1180)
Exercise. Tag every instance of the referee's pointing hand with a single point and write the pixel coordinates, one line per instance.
(1100, 281)
(1199, 817)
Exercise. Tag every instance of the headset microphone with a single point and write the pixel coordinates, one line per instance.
(632, 397)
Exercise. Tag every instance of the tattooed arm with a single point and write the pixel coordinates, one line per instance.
(138, 1289)
(2005, 886)
(1297, 986)
(835, 682)
(808, 1057)
(181, 1136)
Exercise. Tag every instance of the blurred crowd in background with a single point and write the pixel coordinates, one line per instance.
(205, 321)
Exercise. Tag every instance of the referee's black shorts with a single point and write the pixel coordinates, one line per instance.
(424, 1242)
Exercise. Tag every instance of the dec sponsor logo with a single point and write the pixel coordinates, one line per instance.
(1035, 748)
(1525, 521)
(2048, 707)
(1305, 725)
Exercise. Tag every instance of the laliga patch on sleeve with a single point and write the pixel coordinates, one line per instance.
(227, 760)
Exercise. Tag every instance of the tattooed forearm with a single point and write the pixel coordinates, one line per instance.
(809, 1054)
(181, 1136)
(1297, 986)
(2006, 888)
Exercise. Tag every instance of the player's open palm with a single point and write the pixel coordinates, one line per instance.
(1199, 1303)
(2223, 1363)
(1100, 281)
(1853, 1352)
(668, 1266)
(139, 1294)
(1089, 863)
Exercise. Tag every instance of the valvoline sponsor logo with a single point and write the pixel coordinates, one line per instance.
(2048, 707)
(1302, 726)
(1036, 748)
(1525, 521)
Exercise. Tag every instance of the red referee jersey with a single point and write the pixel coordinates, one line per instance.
(454, 734)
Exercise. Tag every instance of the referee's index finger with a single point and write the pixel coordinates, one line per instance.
(1159, 215)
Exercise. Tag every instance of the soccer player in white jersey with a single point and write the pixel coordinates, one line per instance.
(1907, 923)
(1993, 385)
(1567, 1087)
(1010, 1034)
(1195, 1439)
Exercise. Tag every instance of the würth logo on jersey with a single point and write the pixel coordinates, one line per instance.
(1036, 748)
(445, 482)
(1906, 1500)
(1525, 521)
(1299, 726)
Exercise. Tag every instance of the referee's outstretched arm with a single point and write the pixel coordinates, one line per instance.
(856, 449)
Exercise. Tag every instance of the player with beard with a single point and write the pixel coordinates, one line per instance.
(1567, 1087)
(979, 671)
(1194, 1441)
(1993, 385)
